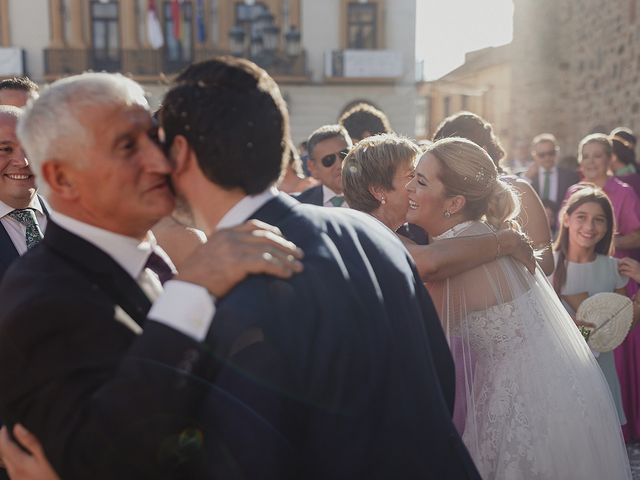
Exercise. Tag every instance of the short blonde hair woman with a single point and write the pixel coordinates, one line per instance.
(374, 176)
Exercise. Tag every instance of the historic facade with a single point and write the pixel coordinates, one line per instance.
(481, 85)
(324, 54)
(576, 68)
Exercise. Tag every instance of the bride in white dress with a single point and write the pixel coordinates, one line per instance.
(533, 402)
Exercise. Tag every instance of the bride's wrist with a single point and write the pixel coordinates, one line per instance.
(506, 241)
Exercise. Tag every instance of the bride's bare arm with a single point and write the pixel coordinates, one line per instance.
(456, 255)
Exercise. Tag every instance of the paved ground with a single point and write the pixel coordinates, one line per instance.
(634, 459)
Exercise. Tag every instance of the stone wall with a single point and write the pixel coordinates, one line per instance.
(576, 68)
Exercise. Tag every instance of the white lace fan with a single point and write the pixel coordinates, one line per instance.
(612, 314)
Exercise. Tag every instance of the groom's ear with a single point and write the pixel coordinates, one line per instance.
(456, 204)
(179, 154)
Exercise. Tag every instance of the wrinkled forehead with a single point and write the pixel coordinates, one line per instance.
(103, 125)
(106, 112)
(544, 145)
(8, 123)
(14, 97)
(329, 145)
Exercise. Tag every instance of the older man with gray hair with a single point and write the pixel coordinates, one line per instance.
(97, 358)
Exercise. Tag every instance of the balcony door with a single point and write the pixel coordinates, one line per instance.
(105, 33)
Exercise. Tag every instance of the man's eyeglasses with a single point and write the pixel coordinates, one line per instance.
(330, 159)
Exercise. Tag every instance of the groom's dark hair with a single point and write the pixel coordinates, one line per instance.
(235, 120)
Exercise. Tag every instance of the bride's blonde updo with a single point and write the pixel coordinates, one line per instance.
(467, 170)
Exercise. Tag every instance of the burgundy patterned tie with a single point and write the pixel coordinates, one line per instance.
(160, 267)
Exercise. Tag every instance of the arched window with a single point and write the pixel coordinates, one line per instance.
(105, 35)
(178, 39)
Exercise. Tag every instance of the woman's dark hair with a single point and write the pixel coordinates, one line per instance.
(475, 128)
(589, 193)
(625, 134)
(623, 149)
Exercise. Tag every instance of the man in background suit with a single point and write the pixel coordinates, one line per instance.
(346, 359)
(327, 147)
(97, 358)
(548, 179)
(23, 216)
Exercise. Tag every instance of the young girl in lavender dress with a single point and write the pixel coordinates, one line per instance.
(584, 266)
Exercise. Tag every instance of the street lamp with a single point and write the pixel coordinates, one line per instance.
(256, 33)
(270, 35)
(236, 40)
(292, 42)
(257, 37)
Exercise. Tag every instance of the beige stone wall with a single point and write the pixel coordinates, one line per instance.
(486, 91)
(576, 68)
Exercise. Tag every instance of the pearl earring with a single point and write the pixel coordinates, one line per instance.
(383, 201)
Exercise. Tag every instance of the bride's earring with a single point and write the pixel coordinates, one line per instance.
(447, 214)
(383, 201)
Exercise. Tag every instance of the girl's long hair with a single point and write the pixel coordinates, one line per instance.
(587, 194)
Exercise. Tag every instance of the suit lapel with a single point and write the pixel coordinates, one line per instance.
(318, 196)
(101, 270)
(8, 252)
(44, 206)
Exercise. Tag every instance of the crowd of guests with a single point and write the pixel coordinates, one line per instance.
(409, 313)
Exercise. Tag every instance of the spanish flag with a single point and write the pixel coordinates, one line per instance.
(175, 19)
(154, 30)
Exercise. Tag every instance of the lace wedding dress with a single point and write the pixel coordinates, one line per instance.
(531, 402)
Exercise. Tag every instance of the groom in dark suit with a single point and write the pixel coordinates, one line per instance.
(97, 358)
(347, 359)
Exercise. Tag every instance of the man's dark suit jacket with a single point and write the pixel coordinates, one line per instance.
(313, 196)
(8, 252)
(105, 402)
(566, 178)
(347, 359)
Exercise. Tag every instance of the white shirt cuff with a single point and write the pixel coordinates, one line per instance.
(186, 307)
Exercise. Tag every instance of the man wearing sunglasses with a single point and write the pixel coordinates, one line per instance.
(327, 147)
(548, 180)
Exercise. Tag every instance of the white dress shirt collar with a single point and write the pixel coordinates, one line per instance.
(35, 204)
(553, 183)
(128, 252)
(552, 170)
(327, 195)
(242, 210)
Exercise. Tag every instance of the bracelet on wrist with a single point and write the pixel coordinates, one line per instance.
(498, 248)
